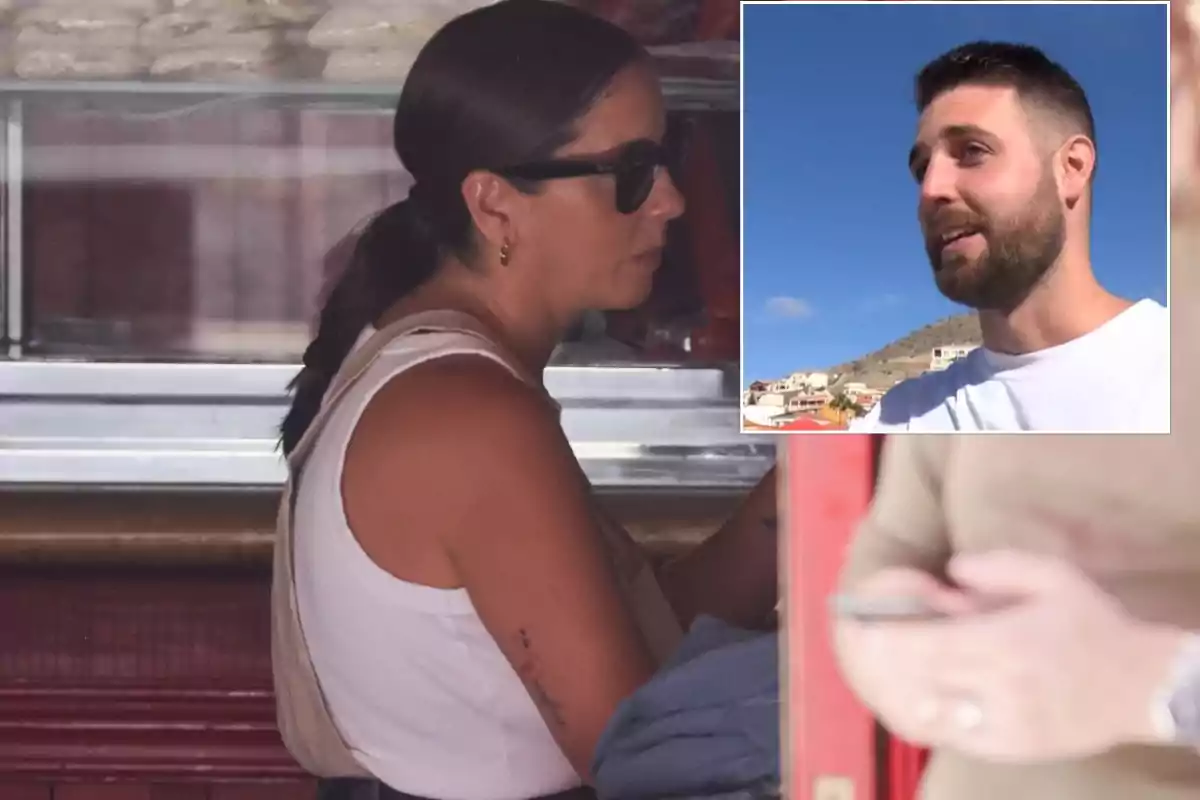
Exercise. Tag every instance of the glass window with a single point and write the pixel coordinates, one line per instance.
(202, 232)
(184, 184)
(208, 230)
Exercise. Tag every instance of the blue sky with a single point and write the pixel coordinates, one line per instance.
(834, 265)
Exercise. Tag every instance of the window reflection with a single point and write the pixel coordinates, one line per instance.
(208, 232)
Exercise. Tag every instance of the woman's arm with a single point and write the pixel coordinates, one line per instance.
(734, 574)
(475, 462)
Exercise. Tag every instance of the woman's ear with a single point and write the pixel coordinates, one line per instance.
(492, 203)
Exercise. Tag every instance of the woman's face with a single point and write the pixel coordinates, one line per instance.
(581, 247)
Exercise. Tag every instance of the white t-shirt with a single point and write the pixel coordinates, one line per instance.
(1115, 379)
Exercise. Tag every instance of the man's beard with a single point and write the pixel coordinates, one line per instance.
(1018, 254)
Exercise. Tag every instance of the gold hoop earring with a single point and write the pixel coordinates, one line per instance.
(505, 254)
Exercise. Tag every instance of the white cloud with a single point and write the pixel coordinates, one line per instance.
(784, 307)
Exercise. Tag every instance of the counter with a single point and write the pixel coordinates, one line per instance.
(215, 425)
(134, 649)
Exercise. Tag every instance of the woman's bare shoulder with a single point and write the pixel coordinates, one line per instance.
(456, 404)
(439, 432)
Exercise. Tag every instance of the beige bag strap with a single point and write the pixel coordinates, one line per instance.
(303, 716)
(362, 357)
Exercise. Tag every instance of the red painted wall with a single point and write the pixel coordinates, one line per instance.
(830, 738)
(120, 683)
(834, 748)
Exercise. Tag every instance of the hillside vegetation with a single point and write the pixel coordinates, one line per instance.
(909, 356)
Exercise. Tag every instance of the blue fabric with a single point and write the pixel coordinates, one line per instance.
(706, 726)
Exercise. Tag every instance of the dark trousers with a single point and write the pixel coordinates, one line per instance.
(358, 789)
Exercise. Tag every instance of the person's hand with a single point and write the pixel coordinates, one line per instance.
(883, 661)
(1063, 672)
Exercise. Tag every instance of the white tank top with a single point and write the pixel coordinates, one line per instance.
(422, 693)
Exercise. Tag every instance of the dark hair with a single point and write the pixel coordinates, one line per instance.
(1037, 79)
(498, 86)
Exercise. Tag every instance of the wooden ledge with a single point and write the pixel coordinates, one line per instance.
(237, 528)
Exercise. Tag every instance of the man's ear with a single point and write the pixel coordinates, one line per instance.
(491, 202)
(1075, 164)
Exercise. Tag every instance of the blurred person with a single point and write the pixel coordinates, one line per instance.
(1005, 158)
(1056, 670)
(471, 616)
(1122, 510)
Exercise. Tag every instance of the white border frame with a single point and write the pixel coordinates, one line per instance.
(742, 189)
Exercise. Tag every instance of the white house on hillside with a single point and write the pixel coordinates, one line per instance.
(812, 381)
(944, 356)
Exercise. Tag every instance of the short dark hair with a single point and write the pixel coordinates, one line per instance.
(1037, 80)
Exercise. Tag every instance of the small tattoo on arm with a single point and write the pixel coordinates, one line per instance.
(550, 709)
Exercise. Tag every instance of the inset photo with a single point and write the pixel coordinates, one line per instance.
(955, 217)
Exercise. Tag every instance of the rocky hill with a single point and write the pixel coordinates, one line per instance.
(909, 356)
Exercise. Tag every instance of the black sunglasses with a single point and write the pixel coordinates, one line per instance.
(634, 167)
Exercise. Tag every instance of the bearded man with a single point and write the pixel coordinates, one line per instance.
(1005, 156)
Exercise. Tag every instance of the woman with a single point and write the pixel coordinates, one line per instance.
(457, 587)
